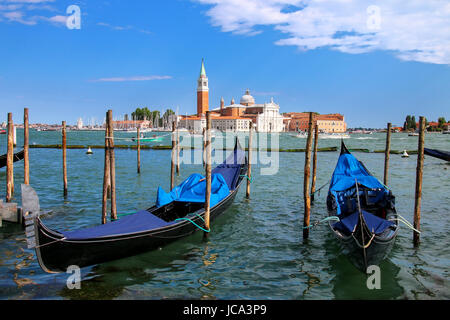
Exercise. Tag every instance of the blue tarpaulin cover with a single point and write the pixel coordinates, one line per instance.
(140, 221)
(375, 224)
(193, 190)
(347, 169)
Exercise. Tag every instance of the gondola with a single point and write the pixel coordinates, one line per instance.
(444, 155)
(175, 215)
(17, 157)
(368, 224)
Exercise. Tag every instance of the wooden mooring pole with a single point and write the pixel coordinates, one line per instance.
(419, 174)
(203, 146)
(138, 149)
(316, 140)
(10, 160)
(64, 154)
(172, 157)
(249, 171)
(208, 173)
(386, 154)
(178, 150)
(306, 193)
(106, 175)
(112, 165)
(26, 141)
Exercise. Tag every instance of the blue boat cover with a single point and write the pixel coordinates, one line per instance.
(347, 169)
(193, 190)
(375, 224)
(138, 222)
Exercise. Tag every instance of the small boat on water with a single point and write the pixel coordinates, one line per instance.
(444, 155)
(405, 154)
(333, 135)
(301, 134)
(2, 131)
(154, 138)
(413, 134)
(17, 157)
(175, 215)
(368, 223)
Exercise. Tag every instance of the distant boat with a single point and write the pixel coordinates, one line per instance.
(413, 134)
(17, 157)
(2, 131)
(405, 154)
(444, 155)
(301, 134)
(333, 135)
(446, 132)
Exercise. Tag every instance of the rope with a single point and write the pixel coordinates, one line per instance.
(246, 176)
(122, 215)
(321, 187)
(332, 218)
(194, 222)
(48, 243)
(367, 245)
(406, 222)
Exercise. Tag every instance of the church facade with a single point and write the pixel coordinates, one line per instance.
(233, 117)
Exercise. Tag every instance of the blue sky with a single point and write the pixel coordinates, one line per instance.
(310, 56)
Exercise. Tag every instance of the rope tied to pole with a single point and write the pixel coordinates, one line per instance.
(187, 219)
(247, 177)
(318, 190)
(332, 218)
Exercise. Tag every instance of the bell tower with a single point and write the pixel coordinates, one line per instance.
(202, 92)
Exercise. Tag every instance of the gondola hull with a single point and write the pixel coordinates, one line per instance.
(374, 254)
(55, 254)
(364, 243)
(17, 157)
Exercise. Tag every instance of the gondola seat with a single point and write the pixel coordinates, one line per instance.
(137, 222)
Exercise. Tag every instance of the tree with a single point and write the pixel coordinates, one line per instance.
(413, 123)
(407, 123)
(441, 122)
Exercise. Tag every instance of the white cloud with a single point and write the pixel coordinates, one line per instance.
(414, 30)
(134, 78)
(120, 28)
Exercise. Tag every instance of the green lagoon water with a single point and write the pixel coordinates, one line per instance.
(255, 250)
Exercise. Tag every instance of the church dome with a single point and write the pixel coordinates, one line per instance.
(247, 99)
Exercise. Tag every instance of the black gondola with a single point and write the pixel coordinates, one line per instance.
(444, 155)
(368, 223)
(142, 231)
(17, 157)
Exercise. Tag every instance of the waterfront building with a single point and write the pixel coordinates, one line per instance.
(266, 117)
(329, 123)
